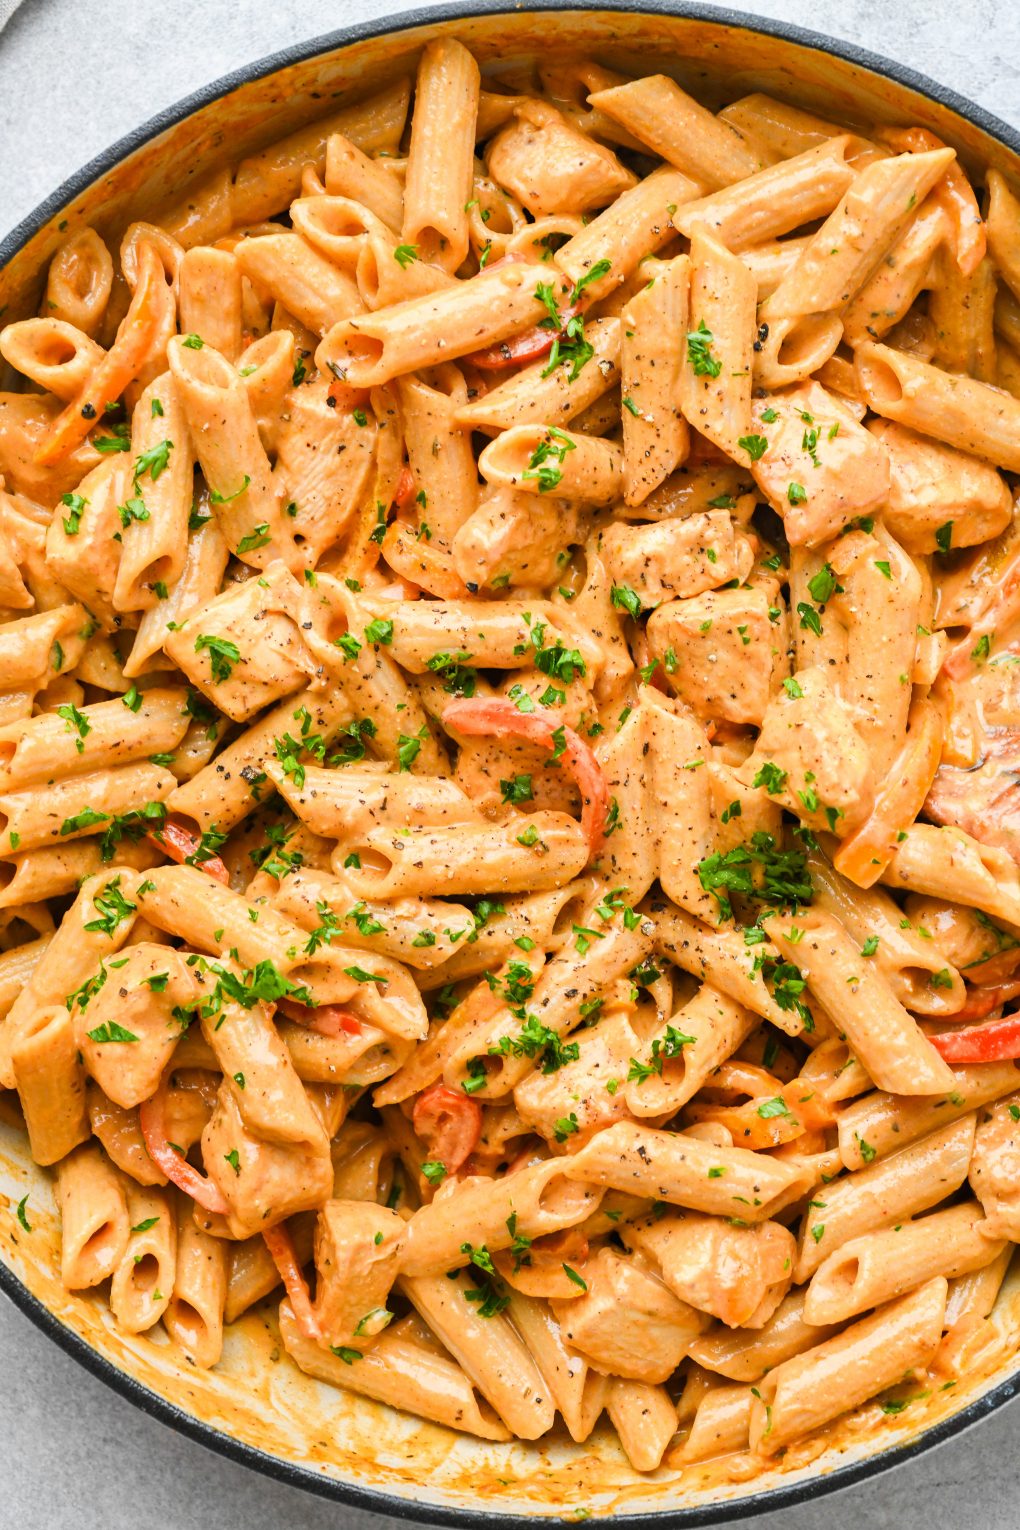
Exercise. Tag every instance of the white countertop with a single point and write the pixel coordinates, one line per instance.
(74, 76)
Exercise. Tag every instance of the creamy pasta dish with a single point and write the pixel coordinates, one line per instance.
(509, 741)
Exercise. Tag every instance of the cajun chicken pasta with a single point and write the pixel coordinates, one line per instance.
(509, 731)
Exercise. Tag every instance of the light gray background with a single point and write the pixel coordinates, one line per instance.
(74, 76)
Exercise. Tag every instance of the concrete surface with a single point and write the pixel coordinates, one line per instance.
(74, 76)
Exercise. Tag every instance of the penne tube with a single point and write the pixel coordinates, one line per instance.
(79, 281)
(747, 1354)
(531, 854)
(104, 736)
(644, 1417)
(970, 415)
(947, 863)
(16, 968)
(272, 659)
(769, 263)
(212, 918)
(293, 272)
(87, 804)
(50, 1081)
(674, 1167)
(205, 560)
(886, 1038)
(713, 1027)
(961, 309)
(779, 130)
(155, 518)
(404, 926)
(655, 435)
(1002, 222)
(193, 1317)
(803, 1393)
(660, 114)
(268, 182)
(572, 978)
(324, 459)
(227, 444)
(404, 1372)
(907, 962)
(440, 163)
(371, 349)
(202, 214)
(493, 634)
(488, 1349)
(882, 1265)
(864, 854)
(388, 273)
(120, 1134)
(356, 1061)
(439, 452)
(775, 200)
(879, 1124)
(53, 354)
(885, 1193)
(549, 392)
(210, 299)
(93, 929)
(93, 1215)
(352, 174)
(143, 1281)
(579, 1392)
(721, 956)
(715, 383)
(347, 803)
(868, 221)
(720, 1426)
(887, 296)
(607, 250)
(475, 1212)
(32, 648)
(231, 786)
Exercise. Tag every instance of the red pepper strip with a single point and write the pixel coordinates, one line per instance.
(281, 1246)
(482, 717)
(404, 491)
(151, 1119)
(996, 1041)
(118, 367)
(182, 844)
(983, 998)
(326, 1019)
(450, 1123)
(527, 347)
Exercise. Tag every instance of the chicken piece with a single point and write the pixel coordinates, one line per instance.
(577, 1092)
(982, 797)
(809, 756)
(505, 540)
(723, 652)
(933, 486)
(551, 167)
(677, 558)
(627, 1323)
(995, 1169)
(357, 1251)
(738, 1274)
(821, 467)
